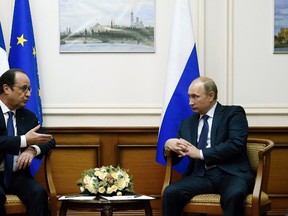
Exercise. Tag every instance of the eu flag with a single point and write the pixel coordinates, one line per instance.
(181, 71)
(23, 55)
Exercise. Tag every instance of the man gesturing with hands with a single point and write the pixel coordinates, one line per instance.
(21, 139)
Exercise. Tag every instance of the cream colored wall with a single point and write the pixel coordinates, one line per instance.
(234, 40)
(253, 76)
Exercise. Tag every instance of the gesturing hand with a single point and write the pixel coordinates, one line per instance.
(32, 137)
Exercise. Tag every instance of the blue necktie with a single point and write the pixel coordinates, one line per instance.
(199, 165)
(9, 158)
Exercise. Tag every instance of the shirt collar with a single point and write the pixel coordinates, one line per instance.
(4, 108)
(211, 112)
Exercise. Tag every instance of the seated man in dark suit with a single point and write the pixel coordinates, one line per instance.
(21, 139)
(217, 153)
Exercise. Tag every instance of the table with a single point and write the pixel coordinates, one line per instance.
(106, 207)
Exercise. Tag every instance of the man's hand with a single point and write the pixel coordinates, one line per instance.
(191, 150)
(176, 145)
(25, 158)
(32, 137)
(182, 147)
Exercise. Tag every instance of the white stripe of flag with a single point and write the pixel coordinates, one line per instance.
(4, 65)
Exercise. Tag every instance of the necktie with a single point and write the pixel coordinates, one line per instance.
(199, 165)
(9, 158)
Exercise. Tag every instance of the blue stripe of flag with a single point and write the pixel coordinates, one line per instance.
(178, 109)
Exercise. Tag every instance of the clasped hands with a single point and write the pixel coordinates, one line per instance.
(182, 147)
(32, 137)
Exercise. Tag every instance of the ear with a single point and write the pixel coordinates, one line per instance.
(212, 95)
(6, 88)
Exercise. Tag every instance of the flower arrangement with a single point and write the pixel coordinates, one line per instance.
(106, 180)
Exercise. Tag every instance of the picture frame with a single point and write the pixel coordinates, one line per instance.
(97, 26)
(280, 42)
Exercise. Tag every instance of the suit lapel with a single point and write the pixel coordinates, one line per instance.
(216, 121)
(20, 122)
(194, 128)
(2, 123)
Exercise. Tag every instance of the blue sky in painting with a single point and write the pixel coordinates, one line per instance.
(82, 14)
(280, 15)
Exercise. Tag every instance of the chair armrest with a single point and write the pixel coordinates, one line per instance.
(267, 149)
(168, 170)
(262, 175)
(50, 184)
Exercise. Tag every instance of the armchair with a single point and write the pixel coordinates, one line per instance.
(257, 203)
(15, 206)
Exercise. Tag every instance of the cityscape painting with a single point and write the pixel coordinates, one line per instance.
(280, 26)
(107, 26)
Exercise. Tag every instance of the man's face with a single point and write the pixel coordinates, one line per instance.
(18, 94)
(199, 101)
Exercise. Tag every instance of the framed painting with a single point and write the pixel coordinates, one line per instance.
(280, 26)
(107, 26)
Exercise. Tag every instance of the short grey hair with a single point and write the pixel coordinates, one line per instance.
(209, 85)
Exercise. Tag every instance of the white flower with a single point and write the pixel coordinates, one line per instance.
(114, 174)
(101, 190)
(121, 184)
(114, 188)
(101, 175)
(86, 179)
(90, 188)
(109, 190)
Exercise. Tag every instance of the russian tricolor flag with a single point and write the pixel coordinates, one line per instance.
(4, 65)
(182, 70)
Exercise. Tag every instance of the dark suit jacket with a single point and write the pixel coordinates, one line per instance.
(228, 140)
(25, 121)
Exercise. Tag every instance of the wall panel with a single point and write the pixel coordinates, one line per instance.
(138, 159)
(68, 162)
